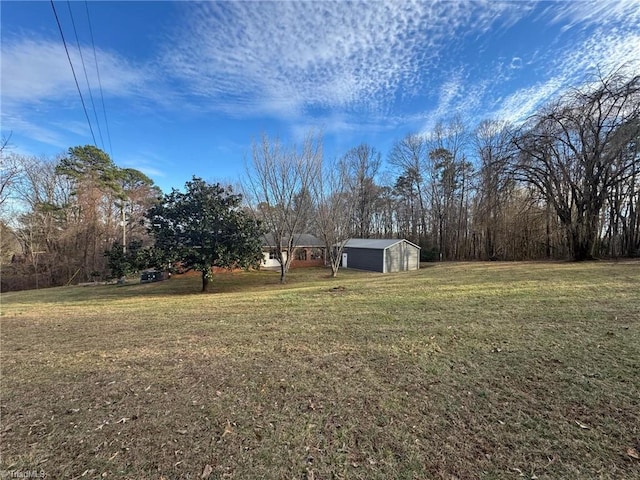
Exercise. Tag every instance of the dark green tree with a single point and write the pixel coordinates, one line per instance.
(90, 167)
(125, 261)
(205, 227)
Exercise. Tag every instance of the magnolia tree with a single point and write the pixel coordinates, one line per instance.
(205, 227)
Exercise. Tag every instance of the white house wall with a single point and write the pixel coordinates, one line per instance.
(272, 262)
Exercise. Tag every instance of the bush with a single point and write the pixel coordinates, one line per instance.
(429, 254)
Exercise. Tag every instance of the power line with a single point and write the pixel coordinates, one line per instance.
(84, 67)
(95, 57)
(84, 107)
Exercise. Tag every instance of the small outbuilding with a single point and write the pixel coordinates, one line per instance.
(381, 255)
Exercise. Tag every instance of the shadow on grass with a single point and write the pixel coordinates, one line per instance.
(178, 286)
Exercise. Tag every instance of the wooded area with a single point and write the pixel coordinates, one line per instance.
(563, 185)
(61, 215)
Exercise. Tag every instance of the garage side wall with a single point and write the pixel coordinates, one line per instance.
(401, 257)
(365, 259)
(411, 256)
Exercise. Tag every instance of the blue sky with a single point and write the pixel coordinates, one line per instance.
(188, 86)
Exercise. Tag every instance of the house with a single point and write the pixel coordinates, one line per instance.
(309, 251)
(381, 255)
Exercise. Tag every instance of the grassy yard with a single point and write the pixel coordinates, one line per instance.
(458, 371)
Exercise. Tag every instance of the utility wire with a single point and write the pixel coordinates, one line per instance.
(86, 77)
(95, 57)
(84, 107)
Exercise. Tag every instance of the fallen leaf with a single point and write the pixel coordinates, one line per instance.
(227, 429)
(182, 432)
(633, 453)
(208, 469)
(582, 425)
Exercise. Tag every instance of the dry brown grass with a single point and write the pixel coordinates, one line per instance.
(526, 370)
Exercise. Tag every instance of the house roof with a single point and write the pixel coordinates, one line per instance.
(300, 240)
(375, 243)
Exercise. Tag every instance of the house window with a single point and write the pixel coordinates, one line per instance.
(301, 255)
(273, 255)
(316, 254)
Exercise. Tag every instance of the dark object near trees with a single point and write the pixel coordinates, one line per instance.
(151, 276)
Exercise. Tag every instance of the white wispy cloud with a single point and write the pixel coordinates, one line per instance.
(149, 163)
(585, 13)
(602, 52)
(604, 36)
(40, 71)
(345, 67)
(40, 99)
(48, 135)
(281, 58)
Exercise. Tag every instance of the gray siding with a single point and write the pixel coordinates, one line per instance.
(382, 255)
(364, 259)
(401, 257)
(413, 258)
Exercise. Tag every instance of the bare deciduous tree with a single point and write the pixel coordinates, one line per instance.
(334, 207)
(276, 179)
(410, 156)
(573, 152)
(64, 220)
(362, 164)
(10, 169)
(492, 146)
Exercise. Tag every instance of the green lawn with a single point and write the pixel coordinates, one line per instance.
(470, 370)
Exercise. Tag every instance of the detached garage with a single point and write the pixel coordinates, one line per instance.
(386, 256)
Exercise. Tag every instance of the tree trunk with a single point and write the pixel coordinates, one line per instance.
(206, 280)
(582, 243)
(582, 251)
(283, 273)
(334, 270)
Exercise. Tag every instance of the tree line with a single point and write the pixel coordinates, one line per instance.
(60, 216)
(564, 184)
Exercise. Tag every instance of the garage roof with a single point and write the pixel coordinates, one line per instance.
(375, 243)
